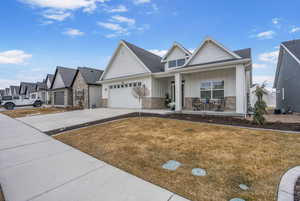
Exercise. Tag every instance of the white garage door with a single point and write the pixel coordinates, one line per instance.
(122, 98)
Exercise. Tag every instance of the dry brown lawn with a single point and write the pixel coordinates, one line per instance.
(230, 155)
(35, 111)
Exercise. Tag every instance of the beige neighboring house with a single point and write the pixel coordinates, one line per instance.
(86, 90)
(61, 87)
(48, 82)
(211, 79)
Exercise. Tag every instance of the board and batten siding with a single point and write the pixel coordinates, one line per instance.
(124, 64)
(176, 53)
(208, 53)
(193, 81)
(288, 84)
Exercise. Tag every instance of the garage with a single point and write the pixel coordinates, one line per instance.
(59, 98)
(120, 96)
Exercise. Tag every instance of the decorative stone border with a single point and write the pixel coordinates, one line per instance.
(286, 187)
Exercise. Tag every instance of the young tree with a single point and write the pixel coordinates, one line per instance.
(260, 105)
(139, 92)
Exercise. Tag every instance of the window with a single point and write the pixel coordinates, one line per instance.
(180, 62)
(176, 63)
(139, 84)
(212, 90)
(130, 84)
(172, 63)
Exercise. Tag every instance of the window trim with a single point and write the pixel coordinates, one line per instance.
(211, 89)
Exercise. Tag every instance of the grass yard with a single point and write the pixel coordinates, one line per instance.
(231, 156)
(35, 111)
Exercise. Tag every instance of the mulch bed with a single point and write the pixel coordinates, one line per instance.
(297, 190)
(224, 120)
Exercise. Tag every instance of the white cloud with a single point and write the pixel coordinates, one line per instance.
(14, 57)
(275, 20)
(259, 79)
(159, 52)
(137, 2)
(265, 35)
(73, 32)
(5, 83)
(122, 19)
(60, 10)
(112, 26)
(118, 9)
(295, 29)
(255, 65)
(270, 57)
(56, 15)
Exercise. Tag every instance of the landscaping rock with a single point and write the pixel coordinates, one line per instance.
(198, 172)
(171, 165)
(237, 199)
(244, 187)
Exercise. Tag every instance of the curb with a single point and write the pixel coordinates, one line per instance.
(286, 188)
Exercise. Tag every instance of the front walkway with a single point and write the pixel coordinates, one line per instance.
(35, 167)
(55, 121)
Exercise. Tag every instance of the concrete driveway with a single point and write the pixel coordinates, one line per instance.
(36, 167)
(55, 121)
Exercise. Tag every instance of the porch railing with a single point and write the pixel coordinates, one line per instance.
(208, 104)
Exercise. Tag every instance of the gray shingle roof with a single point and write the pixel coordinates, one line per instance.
(27, 86)
(151, 61)
(67, 75)
(244, 53)
(293, 46)
(41, 86)
(90, 75)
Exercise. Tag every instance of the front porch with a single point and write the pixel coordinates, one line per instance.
(220, 91)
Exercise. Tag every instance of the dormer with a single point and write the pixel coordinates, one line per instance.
(177, 56)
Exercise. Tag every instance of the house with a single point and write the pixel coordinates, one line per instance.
(2, 93)
(42, 90)
(48, 81)
(212, 78)
(287, 76)
(7, 92)
(28, 90)
(86, 90)
(14, 90)
(61, 87)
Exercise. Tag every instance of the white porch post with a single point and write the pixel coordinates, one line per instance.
(178, 92)
(240, 91)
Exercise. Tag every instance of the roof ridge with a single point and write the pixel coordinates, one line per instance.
(130, 44)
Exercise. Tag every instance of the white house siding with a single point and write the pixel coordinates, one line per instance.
(176, 53)
(209, 53)
(125, 63)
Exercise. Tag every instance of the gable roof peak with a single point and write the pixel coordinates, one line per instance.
(180, 46)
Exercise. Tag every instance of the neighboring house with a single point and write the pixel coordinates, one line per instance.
(269, 97)
(7, 92)
(209, 79)
(14, 90)
(287, 76)
(48, 81)
(28, 90)
(61, 87)
(86, 90)
(42, 90)
(2, 93)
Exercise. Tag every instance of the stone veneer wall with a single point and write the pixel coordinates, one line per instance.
(153, 103)
(104, 102)
(80, 85)
(230, 103)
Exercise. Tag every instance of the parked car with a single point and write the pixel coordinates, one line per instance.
(10, 102)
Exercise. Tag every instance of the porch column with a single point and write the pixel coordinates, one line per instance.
(178, 92)
(240, 91)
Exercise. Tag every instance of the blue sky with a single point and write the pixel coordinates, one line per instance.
(38, 35)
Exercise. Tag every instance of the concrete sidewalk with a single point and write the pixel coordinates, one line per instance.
(55, 121)
(35, 167)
